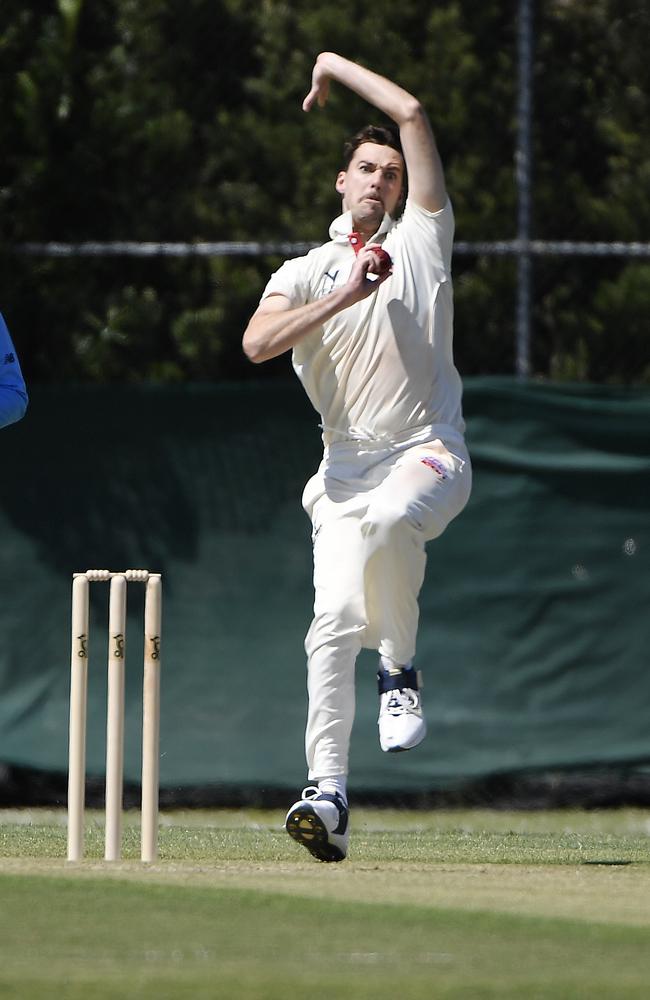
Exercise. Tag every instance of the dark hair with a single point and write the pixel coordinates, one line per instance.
(383, 135)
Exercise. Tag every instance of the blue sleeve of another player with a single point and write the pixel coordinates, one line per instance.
(13, 395)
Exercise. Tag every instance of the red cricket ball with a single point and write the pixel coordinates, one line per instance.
(384, 260)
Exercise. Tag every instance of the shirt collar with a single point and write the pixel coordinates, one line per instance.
(343, 226)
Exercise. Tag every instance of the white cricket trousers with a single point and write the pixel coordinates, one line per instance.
(373, 507)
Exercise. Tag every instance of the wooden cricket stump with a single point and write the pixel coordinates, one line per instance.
(115, 711)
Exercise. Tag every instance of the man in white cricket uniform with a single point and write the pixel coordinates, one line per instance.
(373, 349)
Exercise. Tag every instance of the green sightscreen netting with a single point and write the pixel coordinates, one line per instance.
(535, 624)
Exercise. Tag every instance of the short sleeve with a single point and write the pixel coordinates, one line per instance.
(292, 280)
(429, 233)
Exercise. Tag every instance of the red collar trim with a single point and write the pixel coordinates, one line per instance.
(356, 241)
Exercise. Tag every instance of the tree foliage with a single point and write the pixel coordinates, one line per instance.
(180, 120)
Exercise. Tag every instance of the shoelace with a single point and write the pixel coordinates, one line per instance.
(401, 701)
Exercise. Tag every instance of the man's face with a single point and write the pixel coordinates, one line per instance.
(371, 185)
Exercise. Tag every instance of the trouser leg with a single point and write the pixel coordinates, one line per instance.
(369, 562)
(394, 571)
(334, 640)
(423, 492)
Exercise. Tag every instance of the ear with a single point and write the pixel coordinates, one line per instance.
(340, 182)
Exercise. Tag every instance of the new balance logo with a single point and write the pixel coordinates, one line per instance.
(10, 359)
(436, 465)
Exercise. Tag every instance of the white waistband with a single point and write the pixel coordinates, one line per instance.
(357, 438)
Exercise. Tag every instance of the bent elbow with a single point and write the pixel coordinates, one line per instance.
(413, 111)
(253, 351)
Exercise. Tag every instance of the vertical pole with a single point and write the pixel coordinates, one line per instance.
(115, 718)
(523, 171)
(78, 709)
(151, 718)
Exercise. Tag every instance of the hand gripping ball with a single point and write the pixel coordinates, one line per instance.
(384, 261)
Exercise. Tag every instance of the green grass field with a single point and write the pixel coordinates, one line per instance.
(429, 905)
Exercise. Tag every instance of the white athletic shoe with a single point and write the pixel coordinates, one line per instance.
(320, 822)
(401, 722)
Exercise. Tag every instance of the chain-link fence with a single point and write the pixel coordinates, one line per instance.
(565, 309)
(521, 352)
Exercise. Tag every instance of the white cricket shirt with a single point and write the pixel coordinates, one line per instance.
(382, 368)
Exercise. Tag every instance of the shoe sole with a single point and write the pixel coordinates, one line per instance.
(400, 748)
(306, 827)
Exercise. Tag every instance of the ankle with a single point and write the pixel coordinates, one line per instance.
(391, 667)
(334, 785)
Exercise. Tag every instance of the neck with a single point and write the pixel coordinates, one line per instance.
(365, 228)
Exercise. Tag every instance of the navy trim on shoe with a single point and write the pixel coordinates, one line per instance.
(406, 678)
(306, 827)
(342, 808)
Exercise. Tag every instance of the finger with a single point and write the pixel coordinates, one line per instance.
(366, 258)
(324, 93)
(381, 278)
(362, 263)
(370, 275)
(308, 102)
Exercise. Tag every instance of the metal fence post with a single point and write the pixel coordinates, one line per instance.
(523, 171)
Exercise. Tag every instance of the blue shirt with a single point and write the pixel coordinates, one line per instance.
(13, 395)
